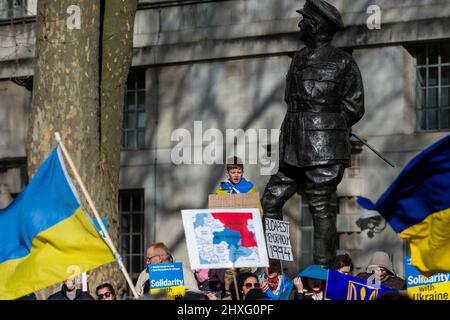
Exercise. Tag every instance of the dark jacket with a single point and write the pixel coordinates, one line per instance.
(305, 296)
(325, 97)
(62, 295)
(391, 281)
(214, 283)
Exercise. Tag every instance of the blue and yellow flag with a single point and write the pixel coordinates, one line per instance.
(44, 233)
(343, 287)
(417, 206)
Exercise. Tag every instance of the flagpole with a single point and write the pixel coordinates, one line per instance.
(107, 238)
(235, 283)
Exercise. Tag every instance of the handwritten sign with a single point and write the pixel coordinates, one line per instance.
(225, 238)
(278, 241)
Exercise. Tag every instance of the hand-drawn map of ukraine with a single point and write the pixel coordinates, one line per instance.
(224, 238)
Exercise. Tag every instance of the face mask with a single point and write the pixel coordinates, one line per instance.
(273, 283)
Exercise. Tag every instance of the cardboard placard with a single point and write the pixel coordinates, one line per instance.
(235, 201)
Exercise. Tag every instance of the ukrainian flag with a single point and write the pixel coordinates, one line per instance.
(417, 206)
(44, 231)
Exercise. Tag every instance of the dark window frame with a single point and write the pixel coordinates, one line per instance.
(127, 232)
(135, 111)
(432, 115)
(14, 9)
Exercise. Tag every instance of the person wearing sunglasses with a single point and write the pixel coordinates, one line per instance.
(105, 291)
(246, 282)
(250, 283)
(156, 253)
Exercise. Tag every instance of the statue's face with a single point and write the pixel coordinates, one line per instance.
(307, 27)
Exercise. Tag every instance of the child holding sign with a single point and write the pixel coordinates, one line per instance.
(235, 184)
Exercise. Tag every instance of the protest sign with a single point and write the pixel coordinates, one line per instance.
(224, 238)
(435, 287)
(278, 241)
(343, 287)
(167, 276)
(235, 201)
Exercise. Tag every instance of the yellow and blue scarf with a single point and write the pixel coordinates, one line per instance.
(242, 186)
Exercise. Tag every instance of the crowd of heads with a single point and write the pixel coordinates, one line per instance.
(310, 284)
(267, 283)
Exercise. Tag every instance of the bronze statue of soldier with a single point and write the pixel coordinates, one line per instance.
(325, 98)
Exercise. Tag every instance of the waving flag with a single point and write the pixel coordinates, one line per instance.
(44, 232)
(417, 206)
(343, 287)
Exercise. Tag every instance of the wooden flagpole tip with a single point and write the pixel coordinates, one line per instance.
(57, 137)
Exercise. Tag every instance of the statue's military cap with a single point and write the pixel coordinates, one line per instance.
(324, 10)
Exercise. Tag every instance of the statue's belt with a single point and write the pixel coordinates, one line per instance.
(298, 106)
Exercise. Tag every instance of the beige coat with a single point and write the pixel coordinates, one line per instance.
(143, 277)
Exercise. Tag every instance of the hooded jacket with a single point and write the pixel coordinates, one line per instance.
(381, 259)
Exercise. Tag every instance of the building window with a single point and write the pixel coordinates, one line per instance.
(14, 173)
(11, 9)
(433, 86)
(134, 112)
(131, 206)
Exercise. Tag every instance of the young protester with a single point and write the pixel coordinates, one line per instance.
(235, 184)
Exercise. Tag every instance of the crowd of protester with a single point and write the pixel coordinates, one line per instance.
(272, 284)
(269, 283)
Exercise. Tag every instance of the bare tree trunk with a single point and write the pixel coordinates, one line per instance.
(117, 51)
(79, 91)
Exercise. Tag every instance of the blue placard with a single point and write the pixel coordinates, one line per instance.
(165, 275)
(343, 287)
(414, 278)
